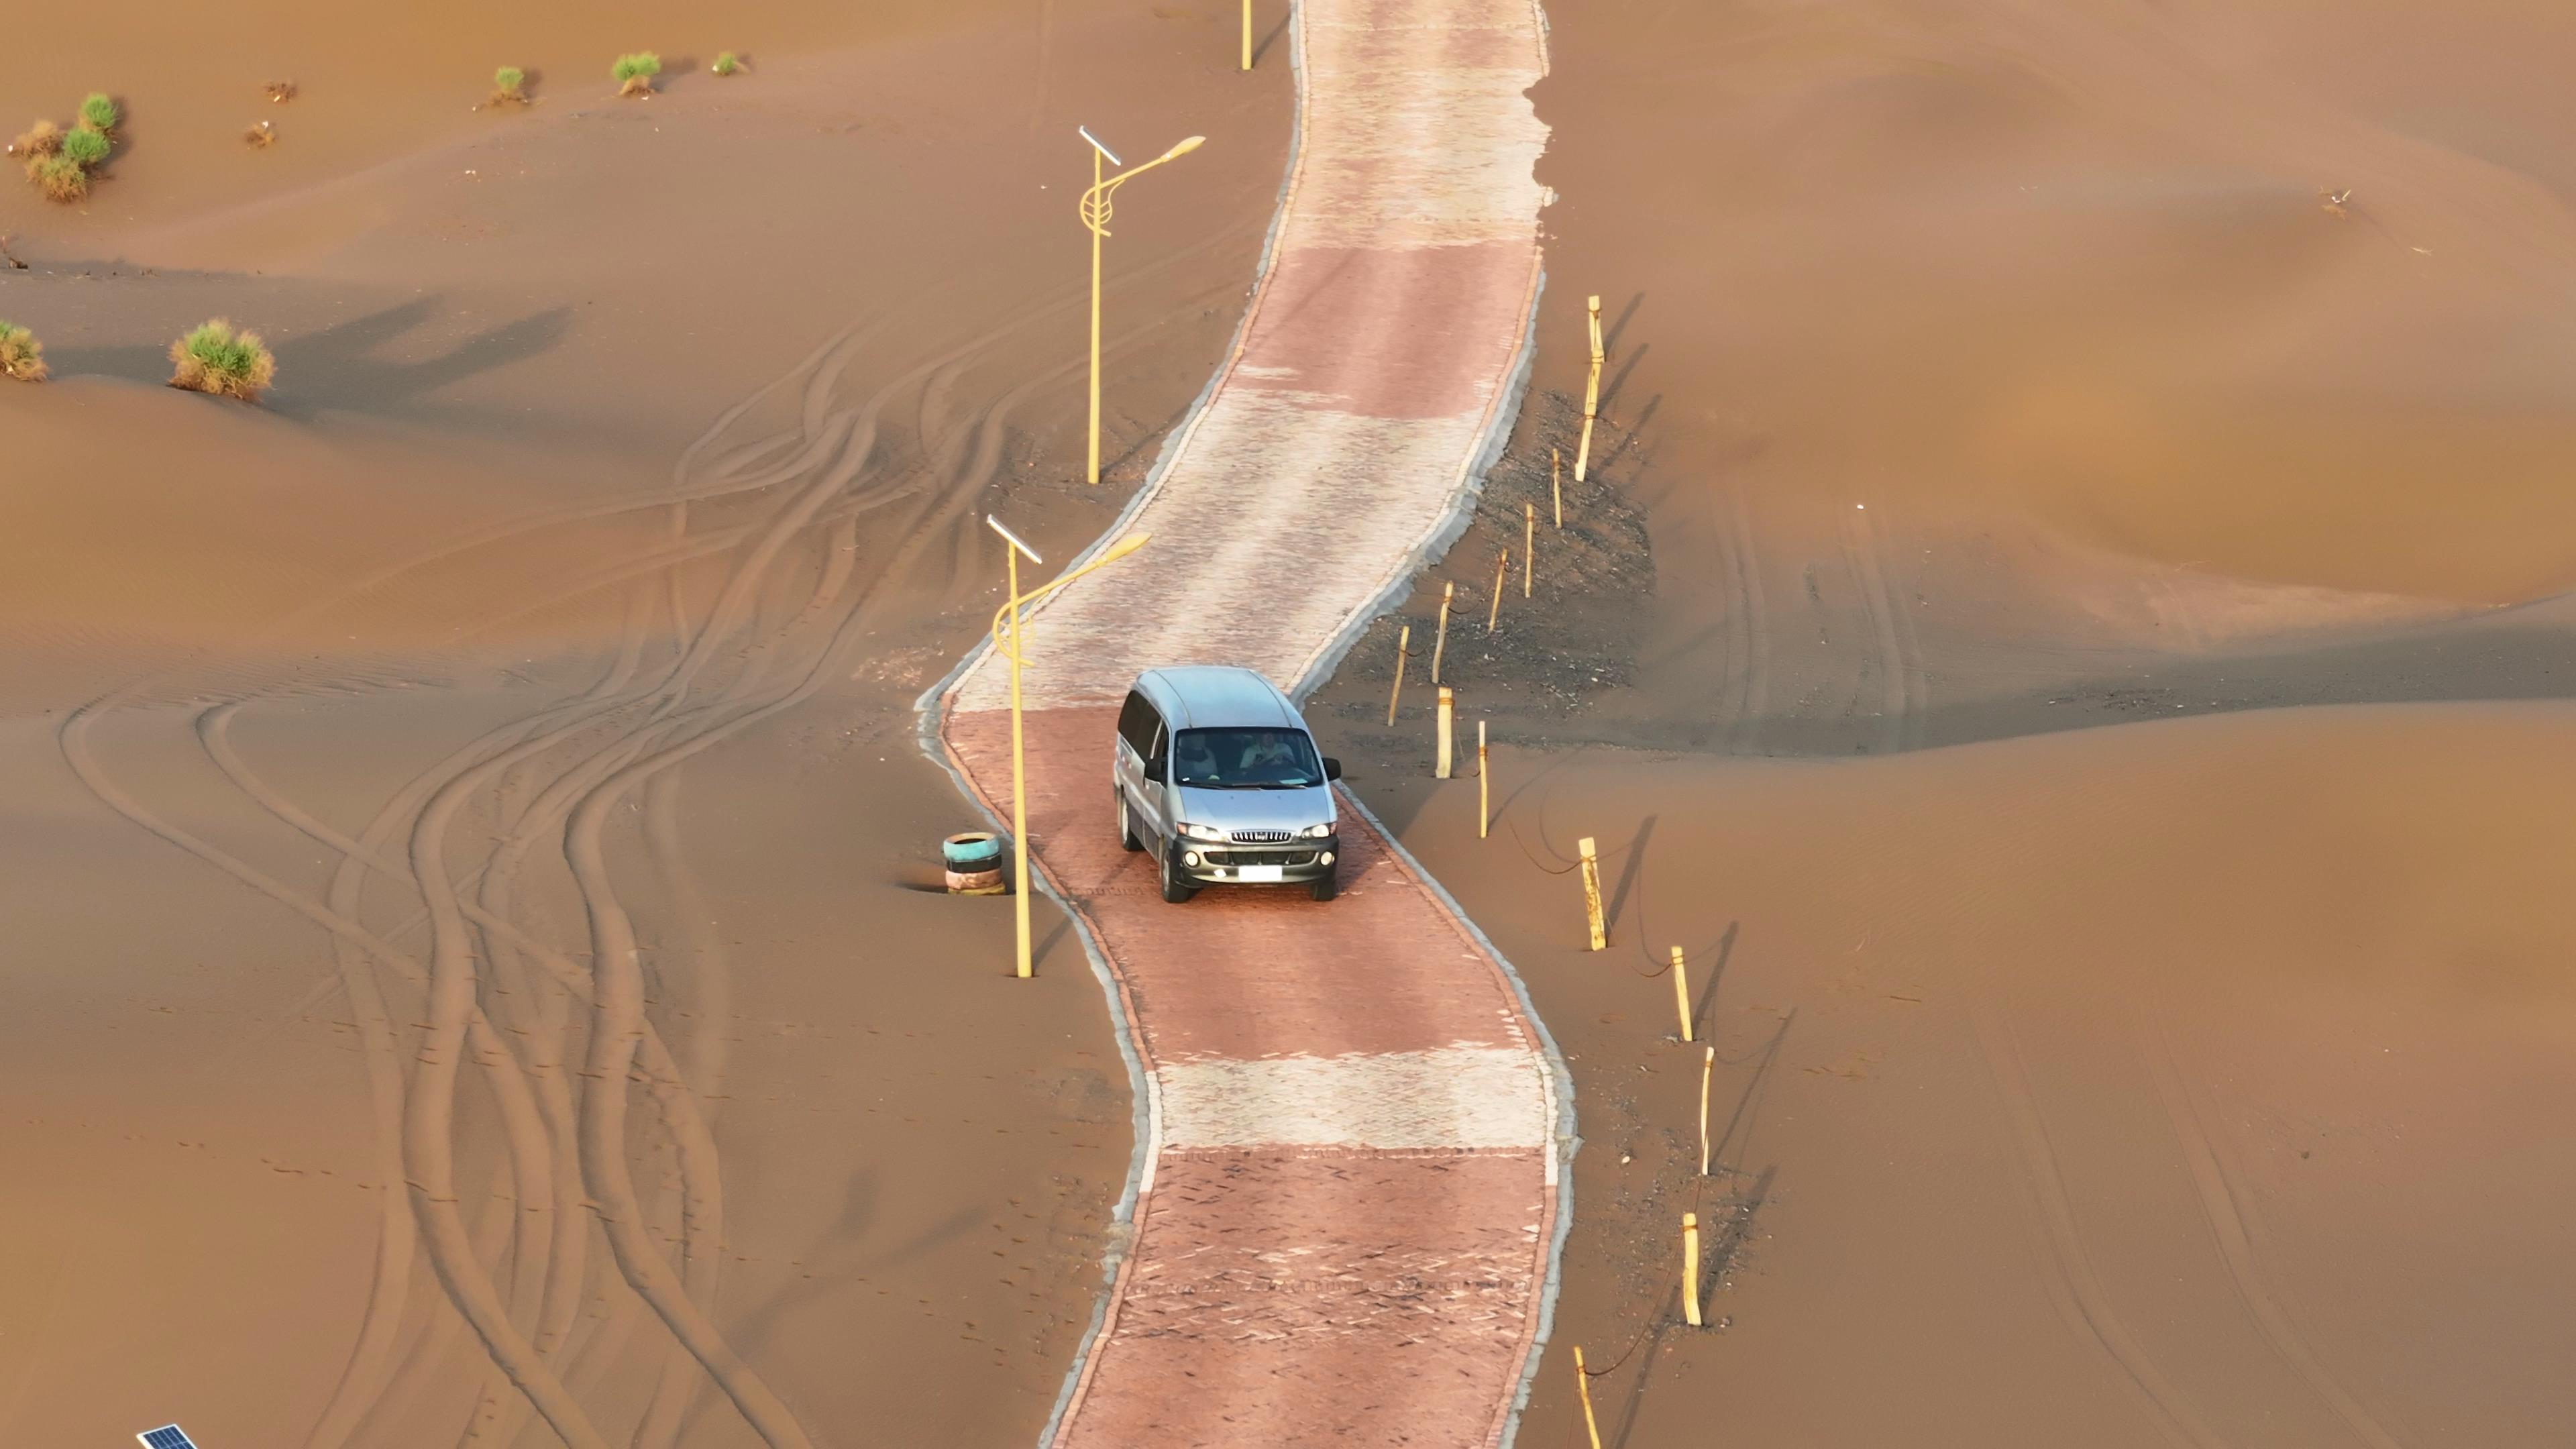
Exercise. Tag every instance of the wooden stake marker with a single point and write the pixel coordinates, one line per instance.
(1707, 1069)
(1502, 569)
(1690, 1269)
(1592, 893)
(1529, 546)
(1441, 772)
(1591, 391)
(1484, 792)
(1681, 992)
(1583, 1388)
(1440, 641)
(1556, 482)
(1403, 651)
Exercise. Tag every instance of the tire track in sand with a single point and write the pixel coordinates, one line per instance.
(2221, 1202)
(1903, 693)
(1748, 630)
(742, 469)
(2081, 1299)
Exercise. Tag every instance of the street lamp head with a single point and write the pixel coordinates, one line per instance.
(996, 525)
(1096, 146)
(1184, 148)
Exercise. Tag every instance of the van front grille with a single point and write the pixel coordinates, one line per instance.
(1260, 857)
(1264, 837)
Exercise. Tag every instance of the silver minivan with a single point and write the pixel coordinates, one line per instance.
(1215, 773)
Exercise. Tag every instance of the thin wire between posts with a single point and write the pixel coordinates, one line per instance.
(1570, 863)
(1514, 832)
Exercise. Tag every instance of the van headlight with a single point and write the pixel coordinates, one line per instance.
(1320, 832)
(1202, 832)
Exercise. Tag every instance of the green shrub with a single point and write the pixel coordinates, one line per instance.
(509, 84)
(216, 358)
(634, 73)
(21, 355)
(99, 112)
(726, 63)
(87, 147)
(60, 177)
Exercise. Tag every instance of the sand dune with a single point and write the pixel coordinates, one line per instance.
(468, 846)
(2172, 1083)
(464, 830)
(2009, 263)
(2000, 388)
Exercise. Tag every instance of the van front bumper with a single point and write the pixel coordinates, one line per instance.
(1299, 862)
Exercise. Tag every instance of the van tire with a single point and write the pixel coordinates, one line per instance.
(1127, 825)
(1327, 887)
(1176, 886)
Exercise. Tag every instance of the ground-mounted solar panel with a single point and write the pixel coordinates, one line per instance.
(168, 1436)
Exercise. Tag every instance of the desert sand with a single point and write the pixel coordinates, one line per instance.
(565, 603)
(2069, 634)
(2071, 639)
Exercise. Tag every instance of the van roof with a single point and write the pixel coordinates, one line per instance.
(1212, 696)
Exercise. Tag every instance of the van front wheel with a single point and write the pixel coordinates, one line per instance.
(1176, 886)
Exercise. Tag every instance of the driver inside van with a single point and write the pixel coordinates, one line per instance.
(1266, 750)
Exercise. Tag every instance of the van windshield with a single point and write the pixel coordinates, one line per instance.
(1245, 759)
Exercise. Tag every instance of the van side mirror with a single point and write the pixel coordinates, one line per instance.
(1332, 768)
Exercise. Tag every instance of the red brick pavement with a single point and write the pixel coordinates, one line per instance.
(1347, 1200)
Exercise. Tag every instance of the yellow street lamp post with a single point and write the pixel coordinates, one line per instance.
(1095, 217)
(1010, 647)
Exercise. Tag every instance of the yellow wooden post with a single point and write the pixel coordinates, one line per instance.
(1441, 771)
(1484, 792)
(1591, 391)
(1707, 1069)
(1247, 34)
(1502, 570)
(1592, 893)
(1556, 482)
(1681, 991)
(1440, 641)
(1583, 1387)
(1529, 546)
(1403, 651)
(1690, 1269)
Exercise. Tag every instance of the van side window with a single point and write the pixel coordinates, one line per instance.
(1139, 725)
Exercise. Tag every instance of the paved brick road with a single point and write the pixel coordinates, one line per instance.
(1348, 1202)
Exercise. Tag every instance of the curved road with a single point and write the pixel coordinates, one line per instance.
(1348, 1191)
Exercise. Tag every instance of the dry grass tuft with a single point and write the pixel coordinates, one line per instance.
(21, 355)
(280, 92)
(263, 136)
(37, 142)
(60, 178)
(219, 359)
